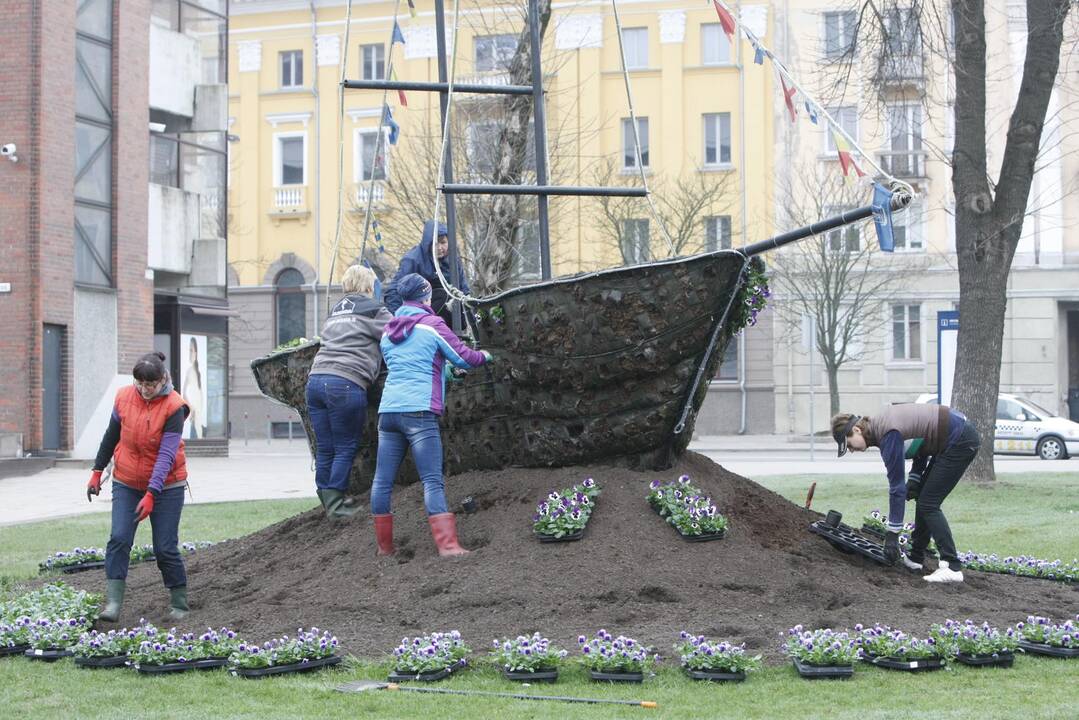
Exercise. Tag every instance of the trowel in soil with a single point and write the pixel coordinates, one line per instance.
(366, 685)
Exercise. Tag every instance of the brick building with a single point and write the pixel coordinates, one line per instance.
(113, 231)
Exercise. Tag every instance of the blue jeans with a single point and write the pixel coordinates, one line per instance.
(396, 433)
(338, 409)
(164, 524)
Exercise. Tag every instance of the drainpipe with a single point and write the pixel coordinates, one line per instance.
(317, 185)
(745, 223)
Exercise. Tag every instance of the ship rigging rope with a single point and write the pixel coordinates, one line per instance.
(340, 154)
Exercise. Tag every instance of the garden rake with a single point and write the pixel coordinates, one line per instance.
(365, 685)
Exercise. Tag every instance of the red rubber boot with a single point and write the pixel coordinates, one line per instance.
(384, 534)
(444, 531)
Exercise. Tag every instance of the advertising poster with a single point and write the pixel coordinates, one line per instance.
(193, 383)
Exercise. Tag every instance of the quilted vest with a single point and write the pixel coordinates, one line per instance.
(142, 423)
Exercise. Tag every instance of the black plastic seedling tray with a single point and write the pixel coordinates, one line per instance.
(165, 668)
(908, 665)
(430, 676)
(568, 537)
(287, 669)
(14, 649)
(1048, 650)
(112, 661)
(1000, 659)
(625, 677)
(540, 675)
(845, 539)
(715, 675)
(823, 672)
(702, 537)
(48, 655)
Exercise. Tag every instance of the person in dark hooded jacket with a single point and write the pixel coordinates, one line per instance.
(418, 260)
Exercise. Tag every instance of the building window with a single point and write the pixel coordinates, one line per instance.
(728, 366)
(494, 52)
(93, 143)
(715, 46)
(847, 118)
(483, 141)
(635, 241)
(839, 33)
(844, 239)
(906, 332)
(292, 68)
(717, 139)
(364, 163)
(629, 154)
(635, 43)
(901, 30)
(717, 233)
(291, 305)
(290, 167)
(526, 260)
(905, 157)
(373, 58)
(908, 227)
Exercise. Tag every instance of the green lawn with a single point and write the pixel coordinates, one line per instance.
(1033, 515)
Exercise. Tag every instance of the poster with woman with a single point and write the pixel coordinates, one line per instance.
(193, 383)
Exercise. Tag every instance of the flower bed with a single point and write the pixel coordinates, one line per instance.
(884, 647)
(1041, 636)
(89, 558)
(821, 654)
(308, 650)
(705, 660)
(1022, 566)
(562, 516)
(165, 652)
(429, 657)
(978, 645)
(528, 658)
(616, 659)
(36, 612)
(688, 510)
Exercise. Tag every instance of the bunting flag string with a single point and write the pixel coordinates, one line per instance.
(387, 118)
(411, 9)
(846, 158)
(397, 35)
(725, 19)
(400, 93)
(788, 98)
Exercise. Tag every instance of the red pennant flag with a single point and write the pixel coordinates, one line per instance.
(725, 19)
(846, 158)
(400, 93)
(788, 97)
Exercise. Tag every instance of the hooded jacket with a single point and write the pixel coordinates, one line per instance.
(350, 340)
(418, 260)
(416, 345)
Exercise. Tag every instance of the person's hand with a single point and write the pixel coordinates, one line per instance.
(457, 375)
(94, 486)
(891, 546)
(487, 357)
(914, 486)
(145, 507)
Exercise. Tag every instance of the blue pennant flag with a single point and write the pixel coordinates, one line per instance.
(811, 112)
(387, 118)
(758, 54)
(882, 217)
(398, 36)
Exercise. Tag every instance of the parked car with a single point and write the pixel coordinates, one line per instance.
(1026, 428)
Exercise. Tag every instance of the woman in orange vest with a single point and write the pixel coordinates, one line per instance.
(145, 440)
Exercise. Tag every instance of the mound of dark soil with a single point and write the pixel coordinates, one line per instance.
(631, 574)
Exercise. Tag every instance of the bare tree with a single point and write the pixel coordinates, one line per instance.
(839, 279)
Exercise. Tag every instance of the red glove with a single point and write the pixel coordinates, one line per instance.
(145, 507)
(94, 486)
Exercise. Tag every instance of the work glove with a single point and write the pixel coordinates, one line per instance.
(891, 547)
(145, 507)
(456, 375)
(94, 486)
(914, 486)
(488, 357)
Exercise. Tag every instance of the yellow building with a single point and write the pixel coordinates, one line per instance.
(703, 118)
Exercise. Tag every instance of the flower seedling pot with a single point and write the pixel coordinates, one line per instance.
(998, 659)
(429, 676)
(833, 518)
(14, 649)
(48, 654)
(703, 537)
(568, 537)
(469, 505)
(299, 667)
(715, 675)
(626, 677)
(540, 675)
(1048, 650)
(909, 665)
(111, 661)
(823, 672)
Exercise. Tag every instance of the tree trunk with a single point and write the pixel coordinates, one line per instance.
(833, 390)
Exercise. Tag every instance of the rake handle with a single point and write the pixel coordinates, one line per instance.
(517, 696)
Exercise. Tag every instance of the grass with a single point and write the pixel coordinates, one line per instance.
(1032, 515)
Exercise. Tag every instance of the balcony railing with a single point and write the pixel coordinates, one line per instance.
(363, 191)
(901, 70)
(288, 201)
(904, 163)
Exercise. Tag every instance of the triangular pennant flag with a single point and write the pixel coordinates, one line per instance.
(400, 93)
(397, 36)
(788, 98)
(846, 159)
(882, 217)
(811, 112)
(411, 9)
(387, 118)
(725, 19)
(758, 54)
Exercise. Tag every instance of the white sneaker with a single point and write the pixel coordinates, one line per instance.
(909, 564)
(944, 574)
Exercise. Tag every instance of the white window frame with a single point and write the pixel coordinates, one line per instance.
(914, 136)
(842, 231)
(713, 33)
(277, 156)
(498, 63)
(635, 41)
(636, 257)
(906, 17)
(845, 22)
(292, 66)
(912, 222)
(907, 361)
(627, 144)
(381, 59)
(733, 342)
(358, 137)
(719, 161)
(843, 116)
(527, 231)
(713, 237)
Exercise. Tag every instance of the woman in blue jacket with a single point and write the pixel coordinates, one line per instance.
(416, 345)
(418, 260)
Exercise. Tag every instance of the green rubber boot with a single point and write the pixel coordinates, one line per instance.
(114, 599)
(337, 504)
(178, 602)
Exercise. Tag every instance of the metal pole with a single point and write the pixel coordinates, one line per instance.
(245, 428)
(487, 189)
(469, 88)
(812, 381)
(443, 102)
(540, 136)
